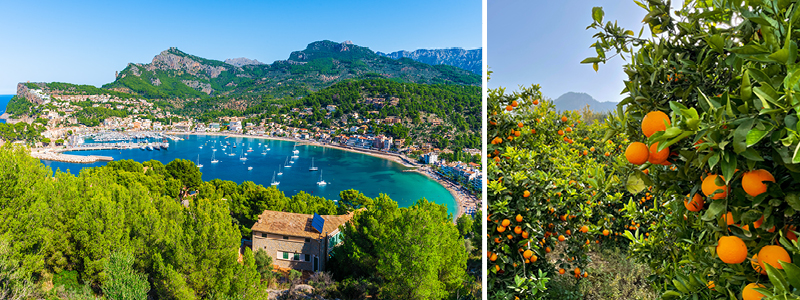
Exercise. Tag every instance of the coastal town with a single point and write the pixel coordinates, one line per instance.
(129, 119)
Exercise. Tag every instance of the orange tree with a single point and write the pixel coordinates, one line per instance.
(725, 75)
(553, 189)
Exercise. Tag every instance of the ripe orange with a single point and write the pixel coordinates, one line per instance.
(710, 186)
(727, 218)
(748, 293)
(520, 125)
(534, 258)
(561, 238)
(518, 230)
(514, 103)
(752, 181)
(533, 131)
(607, 154)
(517, 133)
(584, 229)
(501, 229)
(493, 257)
(637, 153)
(506, 222)
(756, 266)
(547, 250)
(560, 132)
(711, 284)
(524, 234)
(527, 254)
(653, 122)
(696, 204)
(591, 149)
(657, 157)
(569, 129)
(561, 271)
(536, 102)
(564, 119)
(731, 250)
(509, 108)
(518, 218)
(577, 271)
(606, 232)
(585, 152)
(526, 194)
(771, 255)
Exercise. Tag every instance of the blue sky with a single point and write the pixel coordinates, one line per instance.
(86, 42)
(543, 42)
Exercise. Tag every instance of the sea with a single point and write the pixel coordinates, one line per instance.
(3, 102)
(342, 170)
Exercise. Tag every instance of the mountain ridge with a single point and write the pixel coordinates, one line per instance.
(578, 100)
(471, 60)
(176, 74)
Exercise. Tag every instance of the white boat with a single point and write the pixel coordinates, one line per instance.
(231, 154)
(241, 157)
(213, 160)
(294, 150)
(286, 164)
(249, 168)
(280, 172)
(199, 165)
(201, 147)
(273, 179)
(321, 182)
(312, 168)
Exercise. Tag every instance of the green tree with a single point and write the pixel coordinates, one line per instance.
(263, 264)
(122, 280)
(186, 172)
(464, 224)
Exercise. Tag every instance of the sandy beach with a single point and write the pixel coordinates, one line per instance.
(464, 200)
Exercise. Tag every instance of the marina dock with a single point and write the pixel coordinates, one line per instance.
(55, 156)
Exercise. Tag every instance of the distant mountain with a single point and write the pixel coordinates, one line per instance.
(577, 101)
(175, 74)
(466, 59)
(242, 61)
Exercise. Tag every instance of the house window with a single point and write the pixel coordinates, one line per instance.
(308, 257)
(285, 255)
(285, 237)
(296, 256)
(308, 240)
(263, 234)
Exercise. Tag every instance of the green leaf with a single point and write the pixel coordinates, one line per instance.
(792, 273)
(591, 60)
(793, 199)
(716, 42)
(597, 14)
(670, 295)
(740, 136)
(714, 210)
(680, 286)
(728, 167)
(713, 160)
(752, 155)
(790, 82)
(755, 135)
(776, 278)
(746, 91)
(796, 155)
(780, 56)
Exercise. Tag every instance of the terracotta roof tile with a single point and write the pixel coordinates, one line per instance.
(286, 223)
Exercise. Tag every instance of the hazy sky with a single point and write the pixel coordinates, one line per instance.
(87, 42)
(543, 42)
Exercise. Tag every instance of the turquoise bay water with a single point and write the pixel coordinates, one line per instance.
(3, 103)
(342, 170)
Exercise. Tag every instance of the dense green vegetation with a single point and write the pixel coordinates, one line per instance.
(93, 116)
(21, 132)
(19, 106)
(82, 89)
(128, 228)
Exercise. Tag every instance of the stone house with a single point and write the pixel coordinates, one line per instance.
(298, 241)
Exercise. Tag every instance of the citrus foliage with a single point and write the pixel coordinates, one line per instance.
(726, 74)
(553, 181)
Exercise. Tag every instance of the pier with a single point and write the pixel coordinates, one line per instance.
(55, 156)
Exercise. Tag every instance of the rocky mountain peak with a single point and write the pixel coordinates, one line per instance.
(242, 61)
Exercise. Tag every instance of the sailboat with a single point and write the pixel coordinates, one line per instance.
(241, 157)
(295, 151)
(268, 146)
(312, 168)
(249, 149)
(199, 165)
(280, 172)
(250, 168)
(286, 164)
(213, 160)
(265, 151)
(273, 179)
(321, 182)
